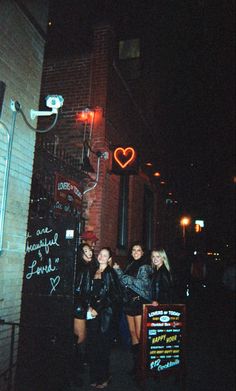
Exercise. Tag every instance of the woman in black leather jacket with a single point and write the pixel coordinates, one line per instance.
(162, 291)
(136, 281)
(85, 267)
(103, 297)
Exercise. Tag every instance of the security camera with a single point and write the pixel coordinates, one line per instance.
(54, 101)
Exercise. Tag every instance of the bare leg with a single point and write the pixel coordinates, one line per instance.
(138, 324)
(132, 329)
(80, 329)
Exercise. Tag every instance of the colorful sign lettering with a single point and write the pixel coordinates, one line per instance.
(163, 338)
(68, 195)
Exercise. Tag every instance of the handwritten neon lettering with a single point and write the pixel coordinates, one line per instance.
(42, 231)
(43, 243)
(39, 270)
(54, 282)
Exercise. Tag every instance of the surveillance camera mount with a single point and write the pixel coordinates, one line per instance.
(55, 102)
(37, 113)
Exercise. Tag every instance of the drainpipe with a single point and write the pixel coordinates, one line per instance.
(6, 176)
(97, 177)
(105, 156)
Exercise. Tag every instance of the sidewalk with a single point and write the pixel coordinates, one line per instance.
(210, 354)
(121, 363)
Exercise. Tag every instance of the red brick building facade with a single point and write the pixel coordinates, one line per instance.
(93, 80)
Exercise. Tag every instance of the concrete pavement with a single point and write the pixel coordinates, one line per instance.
(210, 352)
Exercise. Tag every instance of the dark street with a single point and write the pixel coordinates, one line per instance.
(117, 189)
(210, 352)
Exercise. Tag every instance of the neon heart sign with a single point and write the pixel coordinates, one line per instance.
(124, 156)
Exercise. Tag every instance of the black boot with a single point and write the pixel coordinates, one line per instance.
(81, 356)
(135, 349)
(77, 366)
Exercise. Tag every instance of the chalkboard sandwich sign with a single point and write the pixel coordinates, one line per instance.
(163, 339)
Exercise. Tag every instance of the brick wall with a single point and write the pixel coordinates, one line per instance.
(21, 59)
(91, 80)
(123, 125)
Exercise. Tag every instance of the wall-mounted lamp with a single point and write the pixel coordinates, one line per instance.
(86, 115)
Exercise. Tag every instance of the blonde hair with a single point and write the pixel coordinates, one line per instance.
(162, 254)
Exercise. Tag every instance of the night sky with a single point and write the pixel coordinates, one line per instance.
(193, 52)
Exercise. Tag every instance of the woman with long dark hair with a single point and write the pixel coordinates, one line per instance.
(85, 268)
(135, 279)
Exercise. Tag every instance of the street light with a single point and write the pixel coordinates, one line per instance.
(185, 221)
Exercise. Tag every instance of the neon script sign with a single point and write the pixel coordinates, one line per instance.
(124, 156)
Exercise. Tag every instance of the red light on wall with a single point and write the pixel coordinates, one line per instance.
(85, 116)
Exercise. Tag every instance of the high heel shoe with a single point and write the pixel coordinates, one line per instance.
(101, 386)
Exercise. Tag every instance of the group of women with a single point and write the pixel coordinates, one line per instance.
(101, 289)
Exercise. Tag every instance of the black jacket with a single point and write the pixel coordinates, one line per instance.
(84, 274)
(137, 277)
(105, 301)
(162, 290)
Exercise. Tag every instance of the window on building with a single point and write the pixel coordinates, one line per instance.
(129, 49)
(129, 58)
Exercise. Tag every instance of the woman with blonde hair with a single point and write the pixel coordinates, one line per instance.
(162, 289)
